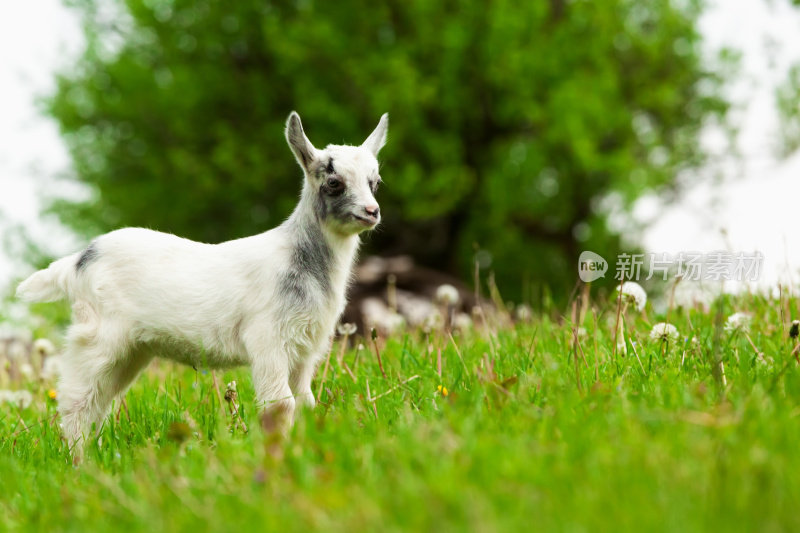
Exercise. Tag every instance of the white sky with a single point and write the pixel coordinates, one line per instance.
(756, 206)
(37, 37)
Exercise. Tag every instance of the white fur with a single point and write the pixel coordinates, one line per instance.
(148, 294)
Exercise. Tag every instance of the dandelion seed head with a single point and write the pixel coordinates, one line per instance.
(26, 370)
(634, 293)
(765, 360)
(738, 322)
(21, 398)
(447, 295)
(433, 321)
(43, 347)
(524, 313)
(394, 322)
(24, 398)
(346, 329)
(664, 332)
(462, 321)
(622, 347)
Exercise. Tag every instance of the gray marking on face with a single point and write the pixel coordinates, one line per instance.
(374, 182)
(333, 198)
(338, 206)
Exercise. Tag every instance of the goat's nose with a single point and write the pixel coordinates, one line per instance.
(372, 210)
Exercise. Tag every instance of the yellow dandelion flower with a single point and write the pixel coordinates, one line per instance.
(442, 389)
(52, 394)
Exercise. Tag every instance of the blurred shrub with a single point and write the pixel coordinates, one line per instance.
(510, 122)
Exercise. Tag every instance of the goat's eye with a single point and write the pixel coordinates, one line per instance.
(334, 185)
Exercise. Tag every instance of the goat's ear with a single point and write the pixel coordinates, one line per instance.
(377, 138)
(301, 147)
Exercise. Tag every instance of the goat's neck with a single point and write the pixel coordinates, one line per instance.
(306, 228)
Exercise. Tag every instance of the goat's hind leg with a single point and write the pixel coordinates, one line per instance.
(82, 393)
(96, 368)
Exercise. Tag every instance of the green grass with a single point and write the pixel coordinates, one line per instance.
(524, 440)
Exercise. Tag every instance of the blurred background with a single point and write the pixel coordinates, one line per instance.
(520, 133)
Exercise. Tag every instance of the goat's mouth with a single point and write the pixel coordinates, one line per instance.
(367, 221)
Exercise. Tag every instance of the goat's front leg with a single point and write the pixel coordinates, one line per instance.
(300, 380)
(271, 382)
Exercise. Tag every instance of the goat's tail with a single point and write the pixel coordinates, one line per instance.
(50, 284)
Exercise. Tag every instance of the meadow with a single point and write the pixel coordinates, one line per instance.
(548, 424)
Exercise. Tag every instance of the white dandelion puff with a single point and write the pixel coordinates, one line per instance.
(738, 322)
(633, 293)
(51, 368)
(765, 360)
(524, 313)
(664, 332)
(21, 398)
(44, 348)
(447, 295)
(462, 322)
(432, 322)
(345, 329)
(622, 347)
(24, 398)
(395, 322)
(26, 371)
(376, 314)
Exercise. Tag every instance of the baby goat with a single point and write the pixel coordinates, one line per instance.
(270, 301)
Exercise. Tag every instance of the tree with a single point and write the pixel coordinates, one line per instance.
(510, 122)
(787, 96)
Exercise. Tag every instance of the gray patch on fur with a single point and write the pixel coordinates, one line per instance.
(320, 207)
(310, 265)
(88, 255)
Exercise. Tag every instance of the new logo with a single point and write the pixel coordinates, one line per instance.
(591, 266)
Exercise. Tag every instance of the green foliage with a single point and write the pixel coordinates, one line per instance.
(510, 121)
(524, 434)
(788, 101)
